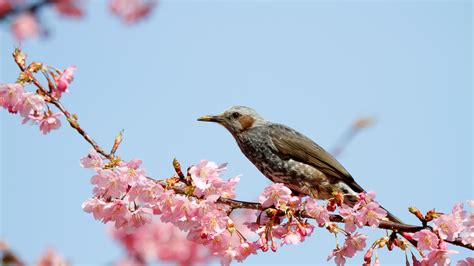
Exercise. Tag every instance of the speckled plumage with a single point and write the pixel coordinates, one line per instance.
(257, 144)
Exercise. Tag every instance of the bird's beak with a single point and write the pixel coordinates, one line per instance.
(210, 118)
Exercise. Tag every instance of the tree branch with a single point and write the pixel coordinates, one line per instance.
(236, 204)
(399, 227)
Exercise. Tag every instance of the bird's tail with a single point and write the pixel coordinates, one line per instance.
(397, 220)
(392, 217)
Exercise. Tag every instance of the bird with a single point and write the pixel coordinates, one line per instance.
(286, 156)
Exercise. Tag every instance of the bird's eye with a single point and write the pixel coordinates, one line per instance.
(235, 115)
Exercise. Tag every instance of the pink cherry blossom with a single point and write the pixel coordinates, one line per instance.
(179, 210)
(459, 213)
(426, 239)
(64, 79)
(5, 7)
(11, 95)
(92, 160)
(227, 256)
(447, 227)
(244, 250)
(219, 243)
(338, 255)
(354, 243)
(31, 106)
(140, 217)
(145, 191)
(131, 171)
(371, 214)
(305, 230)
(350, 218)
(109, 183)
(69, 8)
(50, 122)
(466, 262)
(439, 255)
(203, 174)
(467, 235)
(131, 10)
(291, 238)
(51, 257)
(276, 195)
(94, 206)
(25, 26)
(316, 211)
(161, 242)
(376, 262)
(367, 196)
(116, 211)
(214, 222)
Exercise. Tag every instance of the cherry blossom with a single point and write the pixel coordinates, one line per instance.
(131, 10)
(466, 262)
(204, 174)
(162, 242)
(371, 214)
(63, 80)
(51, 257)
(338, 255)
(316, 211)
(426, 239)
(439, 255)
(277, 195)
(91, 160)
(94, 206)
(109, 183)
(447, 226)
(31, 106)
(244, 250)
(354, 243)
(49, 122)
(25, 26)
(141, 216)
(11, 95)
(350, 218)
(71, 8)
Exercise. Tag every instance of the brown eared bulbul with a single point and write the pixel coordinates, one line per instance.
(286, 156)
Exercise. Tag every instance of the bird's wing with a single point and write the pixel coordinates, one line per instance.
(298, 147)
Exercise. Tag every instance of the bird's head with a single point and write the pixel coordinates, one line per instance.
(236, 119)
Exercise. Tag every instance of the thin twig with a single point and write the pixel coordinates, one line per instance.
(72, 121)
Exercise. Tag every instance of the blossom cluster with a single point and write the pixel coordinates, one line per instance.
(32, 106)
(25, 23)
(163, 242)
(126, 197)
(448, 226)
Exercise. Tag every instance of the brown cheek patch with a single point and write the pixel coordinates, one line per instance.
(246, 122)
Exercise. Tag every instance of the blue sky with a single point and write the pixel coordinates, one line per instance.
(313, 65)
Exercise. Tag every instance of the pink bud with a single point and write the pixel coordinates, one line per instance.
(274, 245)
(368, 255)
